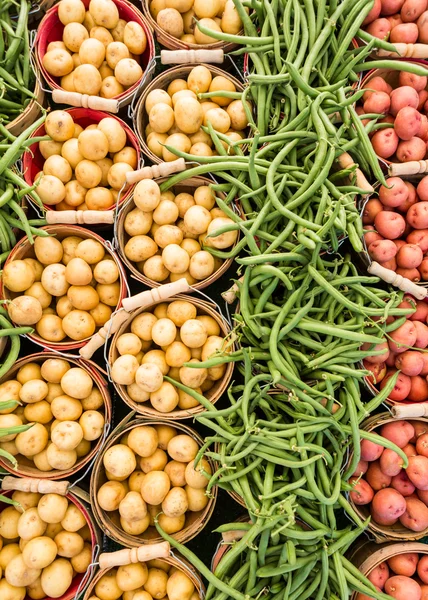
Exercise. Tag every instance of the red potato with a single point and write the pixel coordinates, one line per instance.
(422, 189)
(411, 11)
(371, 209)
(415, 516)
(398, 432)
(422, 445)
(413, 149)
(406, 33)
(423, 568)
(410, 363)
(403, 588)
(393, 194)
(404, 564)
(390, 224)
(391, 463)
(423, 496)
(377, 84)
(362, 493)
(402, 386)
(374, 13)
(419, 426)
(420, 238)
(376, 478)
(417, 82)
(375, 348)
(403, 96)
(379, 102)
(380, 519)
(421, 312)
(385, 142)
(422, 338)
(403, 337)
(371, 235)
(378, 371)
(404, 486)
(379, 575)
(391, 360)
(409, 256)
(382, 250)
(390, 7)
(423, 269)
(423, 129)
(370, 451)
(417, 471)
(380, 28)
(388, 504)
(418, 389)
(409, 450)
(412, 274)
(394, 20)
(407, 122)
(361, 468)
(417, 216)
(422, 24)
(390, 264)
(408, 302)
(424, 590)
(399, 243)
(423, 97)
(424, 371)
(411, 198)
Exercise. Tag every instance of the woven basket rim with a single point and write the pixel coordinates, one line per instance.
(105, 522)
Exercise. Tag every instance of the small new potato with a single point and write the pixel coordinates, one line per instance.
(58, 62)
(155, 487)
(25, 310)
(17, 573)
(39, 552)
(18, 276)
(133, 507)
(119, 460)
(175, 503)
(57, 577)
(165, 399)
(183, 448)
(32, 441)
(67, 435)
(128, 72)
(74, 519)
(124, 369)
(92, 424)
(110, 495)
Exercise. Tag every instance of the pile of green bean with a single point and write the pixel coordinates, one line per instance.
(17, 79)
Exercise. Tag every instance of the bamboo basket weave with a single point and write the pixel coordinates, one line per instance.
(214, 394)
(189, 186)
(141, 118)
(109, 521)
(385, 533)
(26, 468)
(24, 249)
(366, 555)
(172, 43)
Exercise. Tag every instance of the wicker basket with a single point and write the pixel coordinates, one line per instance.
(176, 561)
(80, 581)
(33, 160)
(172, 43)
(51, 29)
(367, 555)
(212, 395)
(189, 186)
(23, 469)
(32, 111)
(162, 81)
(24, 249)
(385, 533)
(195, 521)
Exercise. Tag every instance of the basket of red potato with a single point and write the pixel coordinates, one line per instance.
(404, 351)
(395, 497)
(398, 21)
(396, 227)
(400, 99)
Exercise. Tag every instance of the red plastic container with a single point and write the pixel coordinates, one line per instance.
(33, 161)
(51, 29)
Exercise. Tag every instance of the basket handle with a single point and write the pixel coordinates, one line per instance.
(345, 161)
(134, 555)
(99, 338)
(410, 411)
(85, 101)
(405, 51)
(184, 57)
(149, 297)
(396, 280)
(80, 217)
(413, 167)
(162, 170)
(41, 486)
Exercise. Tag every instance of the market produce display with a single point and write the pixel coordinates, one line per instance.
(297, 177)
